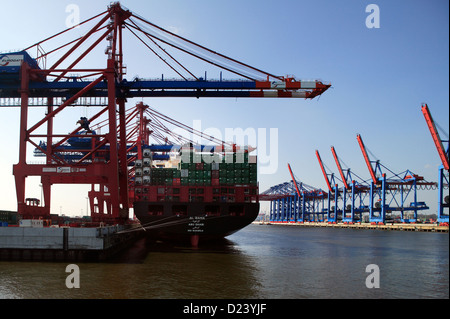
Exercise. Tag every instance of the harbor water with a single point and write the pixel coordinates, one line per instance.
(258, 262)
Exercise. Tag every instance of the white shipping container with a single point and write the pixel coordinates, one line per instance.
(35, 223)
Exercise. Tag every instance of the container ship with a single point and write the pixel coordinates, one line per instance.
(195, 195)
(201, 192)
(209, 199)
(178, 191)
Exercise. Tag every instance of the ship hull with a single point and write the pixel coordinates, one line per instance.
(188, 221)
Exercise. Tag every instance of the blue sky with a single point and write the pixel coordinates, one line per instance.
(380, 78)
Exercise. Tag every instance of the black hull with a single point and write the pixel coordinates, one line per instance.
(184, 221)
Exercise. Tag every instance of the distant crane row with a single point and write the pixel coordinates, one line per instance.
(375, 200)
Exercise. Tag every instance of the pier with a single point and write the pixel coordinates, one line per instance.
(65, 243)
(396, 226)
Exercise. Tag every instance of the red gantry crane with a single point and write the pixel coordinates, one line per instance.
(294, 181)
(332, 190)
(352, 190)
(102, 159)
(389, 193)
(444, 201)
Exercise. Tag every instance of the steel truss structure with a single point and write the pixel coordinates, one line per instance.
(295, 202)
(333, 194)
(103, 160)
(379, 197)
(345, 203)
(355, 193)
(389, 193)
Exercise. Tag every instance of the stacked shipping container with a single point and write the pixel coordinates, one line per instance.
(200, 177)
(210, 169)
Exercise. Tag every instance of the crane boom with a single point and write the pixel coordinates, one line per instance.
(54, 82)
(339, 167)
(172, 88)
(323, 171)
(366, 158)
(294, 181)
(435, 135)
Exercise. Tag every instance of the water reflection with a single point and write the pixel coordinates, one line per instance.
(169, 270)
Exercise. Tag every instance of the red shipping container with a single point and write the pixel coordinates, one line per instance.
(184, 194)
(152, 191)
(214, 174)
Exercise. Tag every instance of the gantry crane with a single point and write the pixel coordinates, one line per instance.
(352, 190)
(333, 190)
(27, 82)
(443, 201)
(384, 190)
(294, 181)
(294, 201)
(311, 200)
